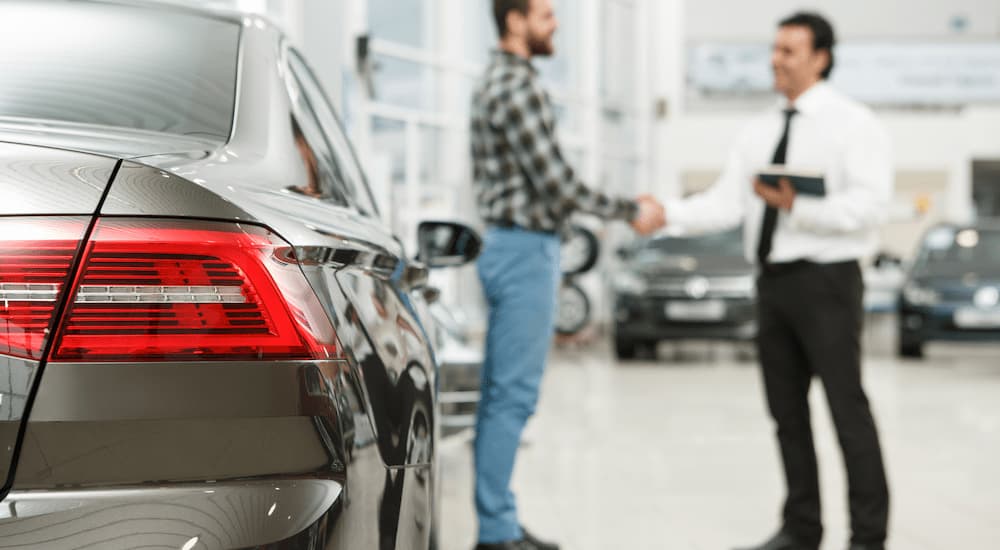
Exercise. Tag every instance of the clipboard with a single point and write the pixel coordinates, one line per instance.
(805, 182)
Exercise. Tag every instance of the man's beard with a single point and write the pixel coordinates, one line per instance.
(541, 45)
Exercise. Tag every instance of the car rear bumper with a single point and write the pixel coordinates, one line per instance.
(278, 513)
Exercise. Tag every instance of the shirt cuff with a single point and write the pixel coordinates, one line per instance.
(631, 210)
(675, 213)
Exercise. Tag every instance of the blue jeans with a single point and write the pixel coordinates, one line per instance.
(519, 271)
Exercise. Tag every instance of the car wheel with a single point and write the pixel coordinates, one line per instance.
(910, 349)
(579, 252)
(573, 311)
(625, 349)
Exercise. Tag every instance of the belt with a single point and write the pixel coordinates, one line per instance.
(784, 268)
(507, 224)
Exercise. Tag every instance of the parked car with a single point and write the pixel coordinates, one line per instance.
(461, 364)
(674, 287)
(208, 338)
(883, 281)
(952, 291)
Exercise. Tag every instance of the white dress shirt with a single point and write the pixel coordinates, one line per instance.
(831, 134)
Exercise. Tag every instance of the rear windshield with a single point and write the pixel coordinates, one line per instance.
(119, 66)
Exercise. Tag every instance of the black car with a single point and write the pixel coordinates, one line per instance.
(209, 339)
(673, 288)
(952, 291)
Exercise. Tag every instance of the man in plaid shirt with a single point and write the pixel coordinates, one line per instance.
(526, 193)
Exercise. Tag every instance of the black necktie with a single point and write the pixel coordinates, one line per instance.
(771, 213)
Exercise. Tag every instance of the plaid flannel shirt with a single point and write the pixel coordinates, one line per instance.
(521, 177)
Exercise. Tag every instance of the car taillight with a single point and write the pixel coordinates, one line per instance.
(36, 255)
(168, 290)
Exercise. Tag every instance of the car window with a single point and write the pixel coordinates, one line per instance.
(118, 66)
(322, 177)
(349, 175)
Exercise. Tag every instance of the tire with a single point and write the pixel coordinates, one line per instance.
(908, 342)
(911, 349)
(579, 252)
(573, 311)
(625, 349)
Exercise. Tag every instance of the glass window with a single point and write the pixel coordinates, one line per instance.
(389, 142)
(481, 31)
(415, 85)
(405, 83)
(143, 68)
(620, 175)
(618, 56)
(437, 192)
(400, 21)
(560, 72)
(345, 177)
(319, 177)
(619, 130)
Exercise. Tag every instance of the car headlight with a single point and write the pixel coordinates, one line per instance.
(629, 283)
(920, 296)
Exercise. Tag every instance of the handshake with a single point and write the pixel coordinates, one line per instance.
(651, 216)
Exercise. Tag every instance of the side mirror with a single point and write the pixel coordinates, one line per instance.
(447, 244)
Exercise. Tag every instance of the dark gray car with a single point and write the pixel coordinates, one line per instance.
(208, 338)
(952, 291)
(676, 288)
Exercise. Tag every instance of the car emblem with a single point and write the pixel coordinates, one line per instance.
(696, 287)
(987, 297)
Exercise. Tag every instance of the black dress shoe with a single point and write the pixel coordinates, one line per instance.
(857, 546)
(782, 541)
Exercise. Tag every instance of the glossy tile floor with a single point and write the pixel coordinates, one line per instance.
(678, 453)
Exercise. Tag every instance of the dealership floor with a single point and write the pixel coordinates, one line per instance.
(678, 453)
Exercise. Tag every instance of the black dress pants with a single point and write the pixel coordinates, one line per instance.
(810, 319)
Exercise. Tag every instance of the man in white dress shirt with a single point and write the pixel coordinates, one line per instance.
(810, 288)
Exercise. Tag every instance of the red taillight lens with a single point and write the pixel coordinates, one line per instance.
(179, 291)
(36, 255)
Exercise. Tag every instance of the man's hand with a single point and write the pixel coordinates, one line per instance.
(651, 216)
(781, 198)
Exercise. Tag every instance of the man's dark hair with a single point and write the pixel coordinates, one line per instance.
(822, 31)
(502, 7)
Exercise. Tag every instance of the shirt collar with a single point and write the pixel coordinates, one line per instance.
(810, 101)
(507, 58)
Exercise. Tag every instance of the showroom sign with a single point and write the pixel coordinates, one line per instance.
(917, 74)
